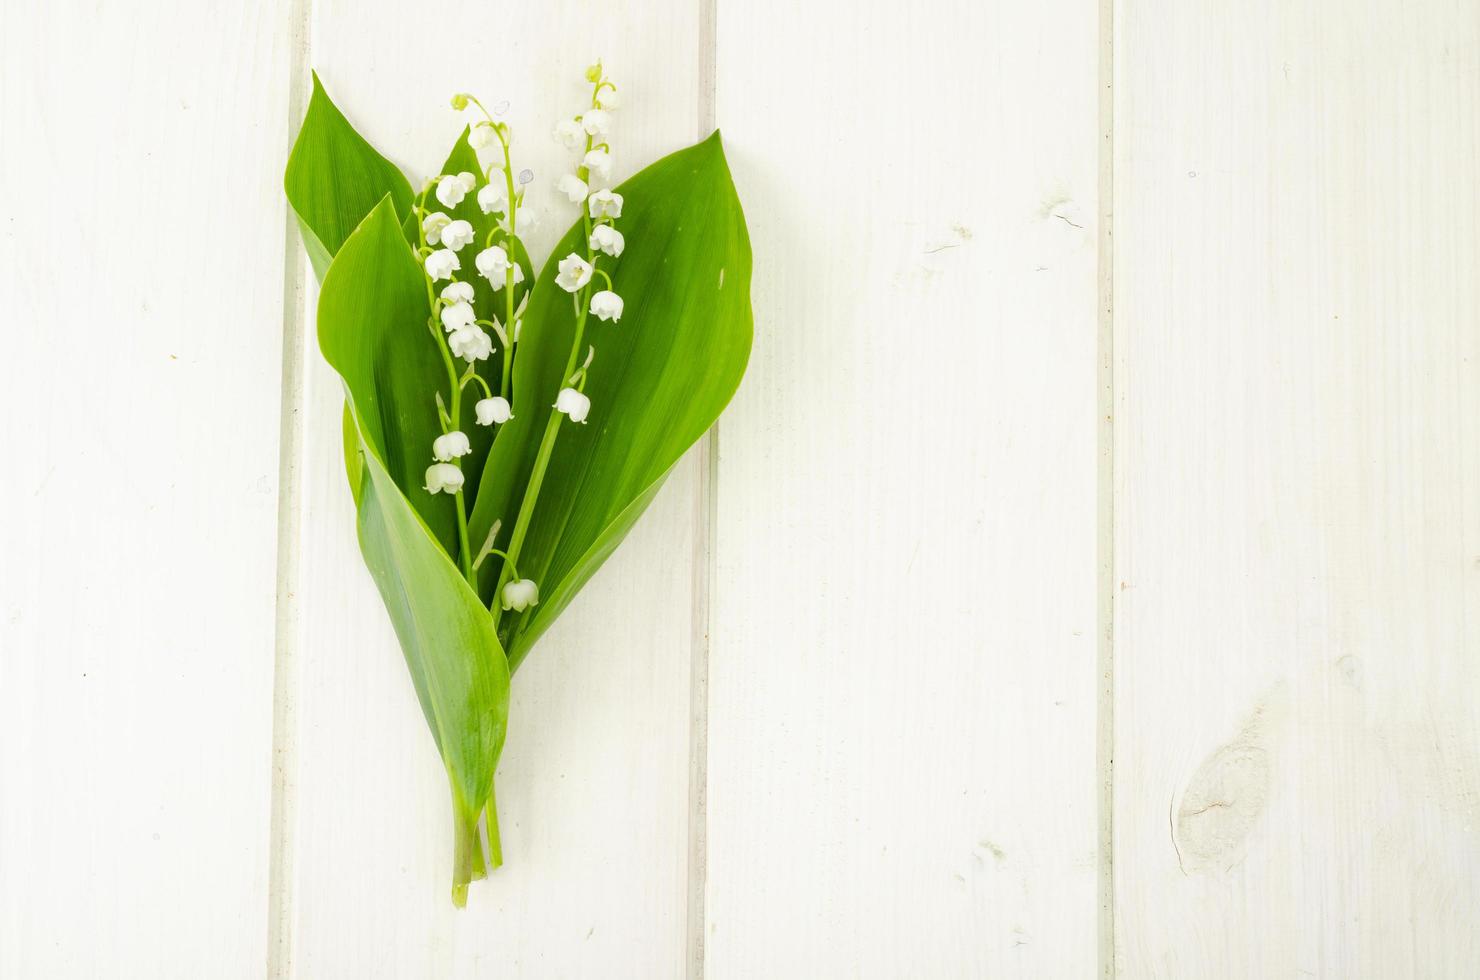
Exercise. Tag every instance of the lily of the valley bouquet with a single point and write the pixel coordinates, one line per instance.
(505, 422)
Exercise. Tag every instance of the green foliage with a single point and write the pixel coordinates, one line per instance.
(368, 311)
(334, 178)
(662, 375)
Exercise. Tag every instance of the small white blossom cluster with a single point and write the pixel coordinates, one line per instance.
(587, 133)
(446, 240)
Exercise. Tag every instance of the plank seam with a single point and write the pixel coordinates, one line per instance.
(290, 502)
(1105, 499)
(706, 507)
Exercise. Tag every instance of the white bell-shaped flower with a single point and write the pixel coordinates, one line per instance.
(605, 238)
(574, 273)
(443, 478)
(457, 234)
(450, 445)
(573, 188)
(442, 263)
(493, 411)
(482, 136)
(527, 218)
(470, 343)
(520, 594)
(493, 197)
(606, 204)
(457, 292)
(432, 226)
(498, 284)
(570, 133)
(610, 99)
(573, 403)
(599, 162)
(596, 122)
(607, 305)
(450, 191)
(493, 264)
(455, 316)
(467, 181)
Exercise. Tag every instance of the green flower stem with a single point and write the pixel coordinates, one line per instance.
(467, 853)
(512, 214)
(465, 556)
(495, 843)
(537, 476)
(503, 387)
(552, 424)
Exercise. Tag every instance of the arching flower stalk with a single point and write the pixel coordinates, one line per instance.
(578, 273)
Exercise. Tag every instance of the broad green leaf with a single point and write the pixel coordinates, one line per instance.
(662, 375)
(383, 293)
(334, 178)
(372, 330)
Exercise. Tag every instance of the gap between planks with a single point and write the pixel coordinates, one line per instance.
(1104, 493)
(705, 506)
(1105, 499)
(290, 499)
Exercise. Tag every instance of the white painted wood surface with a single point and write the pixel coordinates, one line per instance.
(1297, 323)
(838, 708)
(141, 270)
(902, 690)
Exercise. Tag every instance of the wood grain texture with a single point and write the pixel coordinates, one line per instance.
(1297, 682)
(902, 677)
(594, 793)
(141, 263)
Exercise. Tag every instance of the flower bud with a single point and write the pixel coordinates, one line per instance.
(432, 226)
(607, 305)
(482, 137)
(457, 292)
(605, 238)
(450, 445)
(460, 101)
(458, 315)
(457, 234)
(593, 73)
(444, 478)
(606, 204)
(442, 263)
(570, 133)
(596, 122)
(520, 594)
(599, 162)
(493, 263)
(491, 411)
(450, 191)
(573, 403)
(573, 188)
(470, 344)
(493, 197)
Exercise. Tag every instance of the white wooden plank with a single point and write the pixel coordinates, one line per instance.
(141, 272)
(593, 786)
(902, 675)
(1297, 681)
